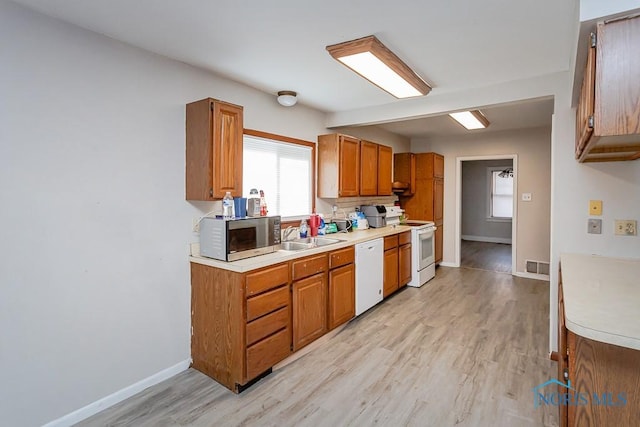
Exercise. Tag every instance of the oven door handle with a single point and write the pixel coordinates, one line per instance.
(426, 233)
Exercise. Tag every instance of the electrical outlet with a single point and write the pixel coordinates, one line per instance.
(196, 225)
(595, 226)
(626, 227)
(595, 207)
(526, 197)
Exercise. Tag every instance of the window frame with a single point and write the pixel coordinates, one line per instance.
(490, 172)
(289, 140)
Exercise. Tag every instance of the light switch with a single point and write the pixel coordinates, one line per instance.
(595, 207)
(526, 197)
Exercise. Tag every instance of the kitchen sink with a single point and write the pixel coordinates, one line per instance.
(318, 241)
(294, 246)
(307, 243)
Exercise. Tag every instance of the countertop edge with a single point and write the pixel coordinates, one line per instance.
(261, 261)
(602, 336)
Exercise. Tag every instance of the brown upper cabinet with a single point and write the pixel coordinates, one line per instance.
(214, 149)
(607, 116)
(338, 166)
(385, 162)
(348, 167)
(368, 168)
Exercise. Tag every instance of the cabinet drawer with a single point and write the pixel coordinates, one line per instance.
(404, 238)
(390, 242)
(341, 257)
(308, 266)
(266, 325)
(266, 353)
(266, 279)
(267, 302)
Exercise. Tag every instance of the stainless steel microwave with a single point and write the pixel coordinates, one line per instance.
(231, 240)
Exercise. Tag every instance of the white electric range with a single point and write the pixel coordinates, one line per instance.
(423, 267)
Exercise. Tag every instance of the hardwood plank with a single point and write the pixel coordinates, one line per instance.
(467, 348)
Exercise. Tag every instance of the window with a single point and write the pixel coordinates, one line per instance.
(501, 193)
(282, 167)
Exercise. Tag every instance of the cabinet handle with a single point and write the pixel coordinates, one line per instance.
(565, 374)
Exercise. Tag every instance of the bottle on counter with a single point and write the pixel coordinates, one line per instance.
(227, 206)
(303, 229)
(263, 204)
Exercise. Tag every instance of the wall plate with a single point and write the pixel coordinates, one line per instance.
(626, 227)
(595, 207)
(594, 226)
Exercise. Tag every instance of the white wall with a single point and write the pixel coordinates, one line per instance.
(532, 147)
(94, 274)
(476, 185)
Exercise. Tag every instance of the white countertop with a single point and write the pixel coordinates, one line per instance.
(602, 298)
(260, 261)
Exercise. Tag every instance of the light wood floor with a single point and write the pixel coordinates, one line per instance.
(485, 256)
(465, 349)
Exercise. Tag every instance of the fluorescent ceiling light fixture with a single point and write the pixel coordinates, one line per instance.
(471, 119)
(375, 62)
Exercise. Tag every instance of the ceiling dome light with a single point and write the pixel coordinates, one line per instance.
(287, 98)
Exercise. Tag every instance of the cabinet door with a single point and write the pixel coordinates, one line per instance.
(227, 149)
(438, 235)
(404, 264)
(385, 159)
(349, 167)
(390, 284)
(368, 168)
(342, 295)
(584, 112)
(438, 166)
(438, 200)
(309, 305)
(617, 88)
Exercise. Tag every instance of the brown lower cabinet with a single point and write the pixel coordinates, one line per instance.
(309, 302)
(342, 287)
(605, 375)
(397, 262)
(245, 323)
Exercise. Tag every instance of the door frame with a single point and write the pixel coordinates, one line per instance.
(514, 220)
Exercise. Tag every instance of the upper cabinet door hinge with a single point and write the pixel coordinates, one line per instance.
(594, 39)
(590, 122)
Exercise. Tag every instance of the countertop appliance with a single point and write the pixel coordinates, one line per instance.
(369, 274)
(231, 240)
(423, 267)
(393, 215)
(375, 215)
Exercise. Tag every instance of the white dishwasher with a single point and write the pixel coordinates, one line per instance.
(369, 274)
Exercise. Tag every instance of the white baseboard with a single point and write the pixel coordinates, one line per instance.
(449, 264)
(487, 239)
(117, 397)
(534, 276)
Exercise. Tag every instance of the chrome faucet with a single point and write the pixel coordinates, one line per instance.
(287, 232)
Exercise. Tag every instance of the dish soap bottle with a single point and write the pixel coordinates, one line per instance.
(303, 229)
(227, 206)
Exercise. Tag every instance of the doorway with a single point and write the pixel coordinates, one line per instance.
(486, 212)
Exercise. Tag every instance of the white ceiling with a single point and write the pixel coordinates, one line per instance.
(280, 44)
